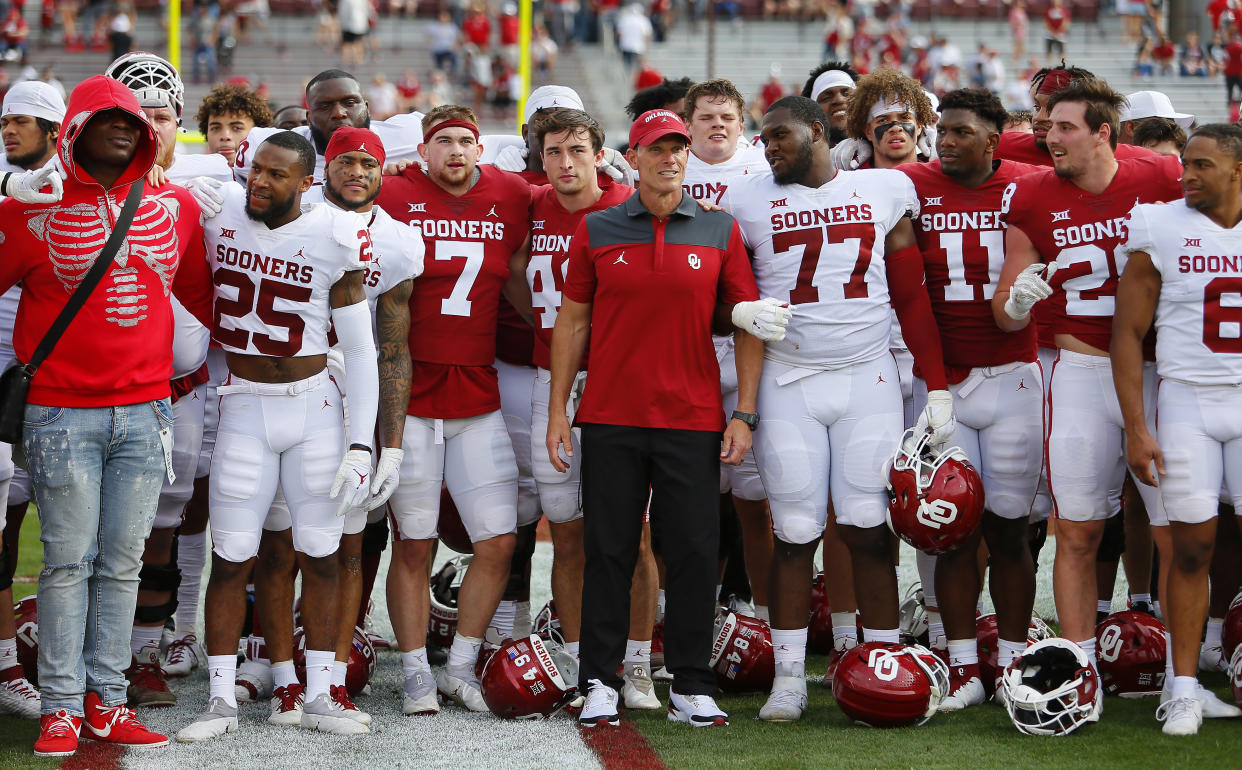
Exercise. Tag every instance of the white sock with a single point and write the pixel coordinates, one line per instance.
(789, 645)
(222, 676)
(1006, 651)
(521, 622)
(660, 606)
(339, 667)
(572, 649)
(464, 652)
(1088, 646)
(761, 612)
(935, 631)
(1105, 606)
(284, 674)
(880, 635)
(963, 652)
(191, 558)
(1136, 598)
(145, 636)
(1185, 687)
(637, 651)
(926, 565)
(844, 630)
(1211, 635)
(318, 673)
(8, 653)
(414, 661)
(502, 620)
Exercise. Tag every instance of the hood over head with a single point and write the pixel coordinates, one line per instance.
(92, 96)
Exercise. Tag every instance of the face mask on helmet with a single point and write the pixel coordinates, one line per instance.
(153, 80)
(445, 584)
(878, 684)
(1051, 689)
(935, 495)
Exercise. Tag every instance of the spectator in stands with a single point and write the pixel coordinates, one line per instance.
(203, 42)
(633, 35)
(1233, 67)
(1021, 121)
(661, 16)
(355, 21)
(226, 41)
(1056, 30)
(68, 11)
(1161, 135)
(326, 30)
(1164, 53)
(1192, 59)
(1144, 61)
(543, 52)
(477, 29)
(669, 95)
(16, 30)
(382, 97)
(408, 89)
(439, 91)
(648, 75)
(510, 28)
(1132, 13)
(121, 29)
(1018, 25)
(838, 31)
(443, 37)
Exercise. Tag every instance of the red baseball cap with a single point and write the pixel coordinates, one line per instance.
(350, 139)
(653, 125)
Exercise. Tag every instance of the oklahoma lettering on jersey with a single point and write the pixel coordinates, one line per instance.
(552, 229)
(709, 181)
(1084, 234)
(272, 286)
(962, 236)
(823, 251)
(453, 308)
(1199, 312)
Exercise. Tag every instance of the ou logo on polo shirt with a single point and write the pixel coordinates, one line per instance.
(694, 261)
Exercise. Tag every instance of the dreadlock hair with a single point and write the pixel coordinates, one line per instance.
(885, 82)
(1102, 102)
(657, 97)
(980, 101)
(821, 69)
(1075, 73)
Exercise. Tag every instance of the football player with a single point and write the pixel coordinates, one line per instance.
(227, 114)
(837, 246)
(1182, 271)
(994, 378)
(1071, 256)
(473, 219)
(830, 85)
(282, 422)
(885, 118)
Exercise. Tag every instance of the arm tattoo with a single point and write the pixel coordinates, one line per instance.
(392, 322)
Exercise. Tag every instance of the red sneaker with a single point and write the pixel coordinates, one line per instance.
(341, 696)
(118, 724)
(148, 685)
(58, 734)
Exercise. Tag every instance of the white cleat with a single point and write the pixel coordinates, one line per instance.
(638, 692)
(17, 695)
(287, 705)
(661, 674)
(184, 654)
(1210, 706)
(1181, 717)
(1213, 658)
(327, 716)
(696, 710)
(600, 707)
(254, 682)
(218, 719)
(787, 701)
(419, 694)
(463, 691)
(968, 693)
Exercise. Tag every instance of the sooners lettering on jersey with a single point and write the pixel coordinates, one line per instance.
(396, 254)
(1199, 312)
(272, 286)
(1084, 234)
(709, 181)
(453, 309)
(551, 230)
(823, 251)
(962, 238)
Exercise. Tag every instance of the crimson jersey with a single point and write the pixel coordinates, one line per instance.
(962, 238)
(1085, 235)
(1021, 147)
(453, 308)
(552, 228)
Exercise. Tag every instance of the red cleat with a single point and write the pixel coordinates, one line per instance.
(58, 734)
(118, 724)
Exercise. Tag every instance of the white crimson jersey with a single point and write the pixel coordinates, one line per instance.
(211, 165)
(272, 286)
(1199, 311)
(822, 250)
(708, 181)
(396, 254)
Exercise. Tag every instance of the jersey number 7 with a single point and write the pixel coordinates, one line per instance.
(856, 236)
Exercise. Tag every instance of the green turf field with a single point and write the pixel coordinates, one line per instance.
(18, 735)
(29, 560)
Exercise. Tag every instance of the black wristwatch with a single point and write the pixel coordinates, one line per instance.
(750, 418)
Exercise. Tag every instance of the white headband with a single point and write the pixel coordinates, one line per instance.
(884, 106)
(830, 79)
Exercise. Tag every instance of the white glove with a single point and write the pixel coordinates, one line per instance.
(616, 166)
(351, 482)
(850, 153)
(27, 185)
(209, 193)
(1029, 288)
(336, 367)
(511, 159)
(937, 417)
(387, 473)
(765, 318)
(926, 144)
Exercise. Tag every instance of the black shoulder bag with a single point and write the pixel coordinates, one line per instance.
(15, 382)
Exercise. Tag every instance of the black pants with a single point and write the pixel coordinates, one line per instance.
(682, 469)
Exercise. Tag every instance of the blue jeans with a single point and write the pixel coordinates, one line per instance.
(97, 474)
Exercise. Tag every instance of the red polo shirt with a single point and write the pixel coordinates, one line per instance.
(654, 284)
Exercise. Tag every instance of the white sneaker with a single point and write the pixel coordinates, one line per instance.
(184, 654)
(287, 705)
(600, 707)
(787, 701)
(638, 692)
(462, 690)
(218, 719)
(696, 710)
(964, 691)
(419, 694)
(1181, 717)
(661, 674)
(1210, 706)
(327, 716)
(1213, 658)
(254, 682)
(17, 695)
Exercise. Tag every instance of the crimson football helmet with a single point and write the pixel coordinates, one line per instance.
(742, 654)
(361, 666)
(1131, 654)
(987, 637)
(1051, 689)
(879, 684)
(1231, 632)
(935, 496)
(452, 530)
(442, 621)
(522, 681)
(26, 618)
(819, 631)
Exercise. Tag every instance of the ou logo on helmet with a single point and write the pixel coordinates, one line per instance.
(884, 663)
(936, 513)
(1110, 644)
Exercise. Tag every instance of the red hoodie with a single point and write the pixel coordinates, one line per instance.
(118, 348)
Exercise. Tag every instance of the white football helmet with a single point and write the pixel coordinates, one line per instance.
(153, 80)
(1051, 689)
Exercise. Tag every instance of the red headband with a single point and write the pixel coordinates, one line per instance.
(453, 123)
(350, 139)
(1054, 81)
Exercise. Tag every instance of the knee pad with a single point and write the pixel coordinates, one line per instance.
(235, 547)
(159, 577)
(797, 526)
(1113, 543)
(375, 537)
(6, 574)
(1038, 535)
(519, 565)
